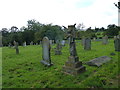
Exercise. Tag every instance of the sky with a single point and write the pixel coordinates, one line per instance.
(92, 13)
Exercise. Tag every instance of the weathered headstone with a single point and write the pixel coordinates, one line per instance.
(83, 41)
(46, 52)
(94, 39)
(16, 47)
(50, 42)
(24, 44)
(63, 42)
(73, 65)
(98, 39)
(98, 61)
(31, 43)
(115, 37)
(105, 40)
(117, 43)
(58, 48)
(9, 45)
(87, 44)
(36, 43)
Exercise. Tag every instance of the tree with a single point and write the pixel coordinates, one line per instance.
(112, 30)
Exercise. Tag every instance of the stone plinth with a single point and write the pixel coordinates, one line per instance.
(73, 66)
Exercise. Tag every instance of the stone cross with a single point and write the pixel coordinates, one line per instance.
(16, 47)
(46, 52)
(87, 44)
(73, 65)
(117, 43)
(105, 40)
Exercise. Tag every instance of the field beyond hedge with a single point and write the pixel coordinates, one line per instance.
(25, 70)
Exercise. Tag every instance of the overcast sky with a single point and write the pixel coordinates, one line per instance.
(92, 13)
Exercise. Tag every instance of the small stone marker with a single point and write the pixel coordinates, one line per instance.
(98, 39)
(58, 48)
(87, 44)
(50, 42)
(24, 44)
(16, 47)
(83, 41)
(105, 40)
(10, 45)
(98, 61)
(40, 43)
(115, 37)
(117, 43)
(46, 52)
(36, 43)
(94, 39)
(63, 42)
(31, 43)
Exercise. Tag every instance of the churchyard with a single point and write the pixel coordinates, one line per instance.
(25, 70)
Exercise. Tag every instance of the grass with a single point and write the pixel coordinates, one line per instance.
(25, 70)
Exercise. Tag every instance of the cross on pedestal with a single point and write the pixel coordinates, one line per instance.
(73, 66)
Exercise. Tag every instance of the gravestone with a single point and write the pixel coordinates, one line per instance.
(105, 40)
(31, 43)
(83, 41)
(58, 48)
(36, 43)
(53, 41)
(94, 39)
(63, 42)
(117, 43)
(87, 44)
(16, 47)
(98, 61)
(9, 45)
(40, 43)
(46, 52)
(115, 37)
(50, 42)
(24, 44)
(73, 66)
(98, 39)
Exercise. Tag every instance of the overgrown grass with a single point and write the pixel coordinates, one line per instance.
(25, 70)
